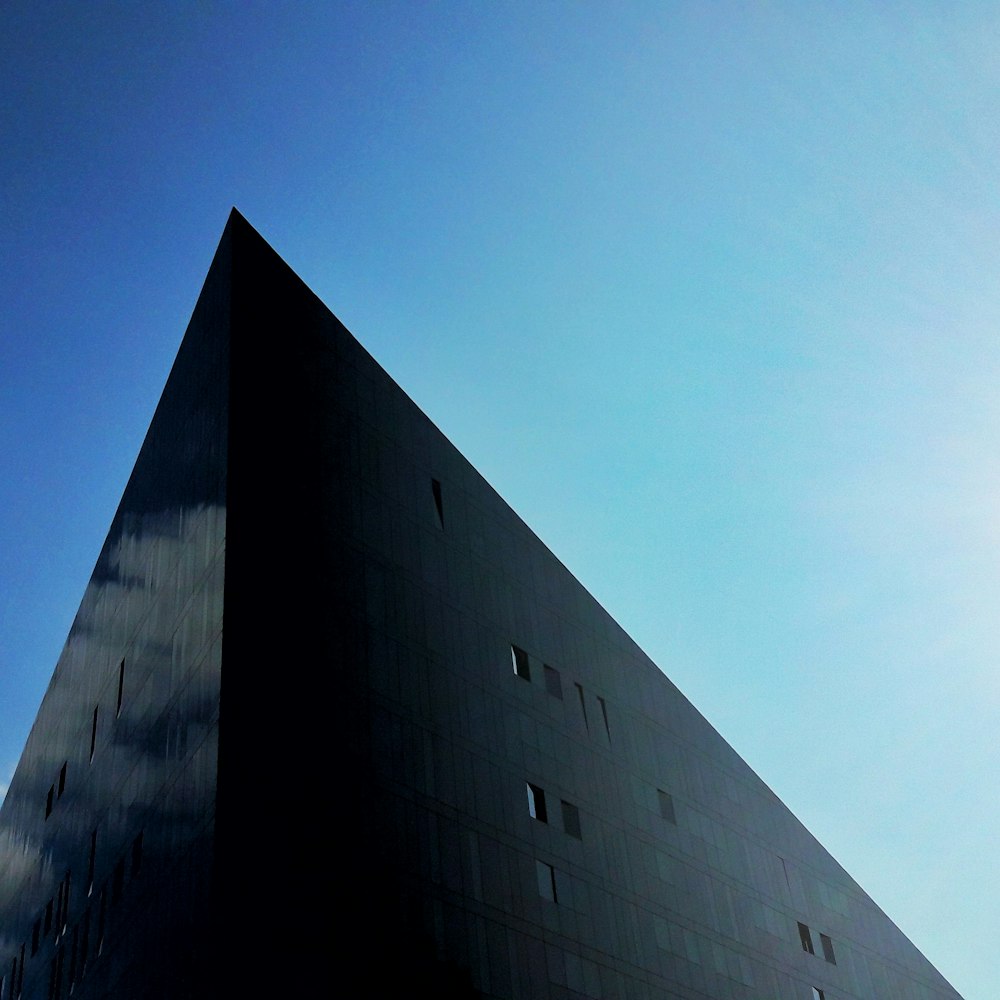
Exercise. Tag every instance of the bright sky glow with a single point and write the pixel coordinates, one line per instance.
(709, 292)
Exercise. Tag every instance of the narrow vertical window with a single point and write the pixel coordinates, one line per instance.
(121, 688)
(519, 659)
(583, 705)
(805, 937)
(136, 856)
(571, 819)
(92, 862)
(828, 954)
(36, 936)
(48, 801)
(536, 804)
(64, 920)
(438, 505)
(101, 918)
(55, 986)
(93, 733)
(72, 958)
(604, 715)
(553, 682)
(84, 943)
(118, 881)
(546, 880)
(20, 973)
(62, 779)
(48, 917)
(666, 806)
(818, 994)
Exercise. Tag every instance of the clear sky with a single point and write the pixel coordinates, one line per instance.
(708, 291)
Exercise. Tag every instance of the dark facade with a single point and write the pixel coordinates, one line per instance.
(331, 718)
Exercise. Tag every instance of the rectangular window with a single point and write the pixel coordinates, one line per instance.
(48, 801)
(519, 658)
(571, 819)
(48, 918)
(36, 936)
(439, 506)
(20, 973)
(546, 880)
(92, 862)
(818, 994)
(136, 856)
(583, 705)
(62, 779)
(666, 806)
(604, 715)
(553, 682)
(806, 938)
(93, 733)
(536, 804)
(828, 949)
(121, 688)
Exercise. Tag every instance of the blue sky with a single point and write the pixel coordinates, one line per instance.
(708, 292)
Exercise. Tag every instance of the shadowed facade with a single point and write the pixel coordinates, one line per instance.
(330, 714)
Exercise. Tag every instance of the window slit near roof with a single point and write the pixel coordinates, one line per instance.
(519, 658)
(121, 688)
(604, 713)
(805, 937)
(438, 503)
(536, 803)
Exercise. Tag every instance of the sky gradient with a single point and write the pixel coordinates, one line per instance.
(708, 292)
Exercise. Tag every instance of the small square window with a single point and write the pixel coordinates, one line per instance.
(571, 819)
(553, 682)
(546, 880)
(828, 954)
(519, 658)
(666, 806)
(805, 937)
(536, 804)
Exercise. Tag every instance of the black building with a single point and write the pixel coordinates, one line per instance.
(332, 719)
